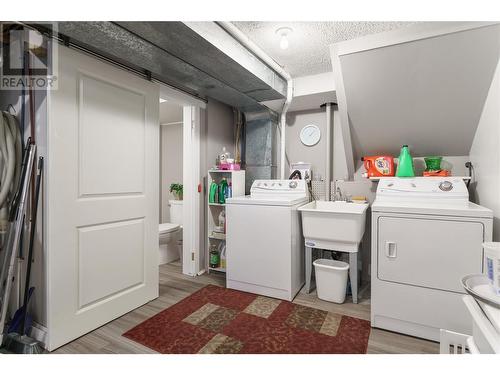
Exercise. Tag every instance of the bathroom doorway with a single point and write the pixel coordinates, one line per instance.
(180, 200)
(171, 181)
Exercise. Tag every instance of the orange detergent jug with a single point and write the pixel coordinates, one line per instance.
(378, 166)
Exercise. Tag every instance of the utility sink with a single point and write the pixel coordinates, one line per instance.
(335, 225)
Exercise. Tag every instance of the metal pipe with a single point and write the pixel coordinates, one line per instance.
(328, 176)
(247, 43)
(329, 147)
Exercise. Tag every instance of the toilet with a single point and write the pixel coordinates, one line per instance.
(171, 234)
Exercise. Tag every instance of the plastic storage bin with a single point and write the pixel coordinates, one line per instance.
(492, 255)
(331, 279)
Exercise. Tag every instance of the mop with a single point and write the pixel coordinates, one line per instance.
(19, 342)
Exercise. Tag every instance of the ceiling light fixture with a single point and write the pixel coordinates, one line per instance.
(283, 33)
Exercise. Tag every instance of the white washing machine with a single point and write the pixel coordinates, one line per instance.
(264, 246)
(426, 236)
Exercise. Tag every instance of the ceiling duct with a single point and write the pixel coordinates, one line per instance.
(199, 58)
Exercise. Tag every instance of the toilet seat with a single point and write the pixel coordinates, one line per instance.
(165, 228)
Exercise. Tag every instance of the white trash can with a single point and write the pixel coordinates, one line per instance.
(331, 279)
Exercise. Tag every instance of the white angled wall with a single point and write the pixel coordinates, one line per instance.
(485, 155)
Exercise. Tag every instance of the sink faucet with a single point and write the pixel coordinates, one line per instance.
(341, 197)
(338, 194)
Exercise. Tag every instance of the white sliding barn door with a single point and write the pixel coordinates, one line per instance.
(102, 194)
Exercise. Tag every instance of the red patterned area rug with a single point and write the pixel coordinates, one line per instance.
(220, 320)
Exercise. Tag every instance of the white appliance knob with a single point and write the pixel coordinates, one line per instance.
(445, 185)
(292, 184)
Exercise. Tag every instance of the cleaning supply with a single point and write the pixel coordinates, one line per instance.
(222, 252)
(214, 259)
(405, 163)
(433, 163)
(433, 167)
(213, 193)
(222, 221)
(222, 190)
(224, 155)
(378, 166)
(229, 190)
(492, 257)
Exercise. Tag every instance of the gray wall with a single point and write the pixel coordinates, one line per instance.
(219, 131)
(316, 155)
(485, 155)
(296, 151)
(171, 153)
(427, 93)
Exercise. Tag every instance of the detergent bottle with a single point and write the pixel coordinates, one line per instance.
(212, 197)
(378, 166)
(223, 191)
(405, 163)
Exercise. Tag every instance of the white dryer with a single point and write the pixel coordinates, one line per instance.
(264, 246)
(426, 236)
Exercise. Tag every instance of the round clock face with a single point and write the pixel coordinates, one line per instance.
(310, 135)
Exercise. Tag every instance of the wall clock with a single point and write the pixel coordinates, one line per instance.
(310, 135)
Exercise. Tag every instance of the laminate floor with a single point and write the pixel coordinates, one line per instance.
(175, 286)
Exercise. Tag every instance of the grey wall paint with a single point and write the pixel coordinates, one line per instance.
(298, 152)
(427, 93)
(485, 156)
(316, 155)
(219, 131)
(171, 164)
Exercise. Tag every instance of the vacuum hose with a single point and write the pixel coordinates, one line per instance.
(10, 165)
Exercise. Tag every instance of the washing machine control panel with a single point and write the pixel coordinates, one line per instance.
(449, 190)
(278, 187)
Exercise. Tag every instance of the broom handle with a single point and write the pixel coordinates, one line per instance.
(31, 244)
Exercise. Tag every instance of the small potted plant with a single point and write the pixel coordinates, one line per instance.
(176, 190)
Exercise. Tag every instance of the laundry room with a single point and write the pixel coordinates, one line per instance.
(250, 187)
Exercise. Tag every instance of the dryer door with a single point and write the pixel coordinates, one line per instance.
(426, 252)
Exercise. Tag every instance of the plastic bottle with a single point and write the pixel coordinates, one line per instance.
(492, 257)
(405, 163)
(214, 260)
(213, 193)
(224, 156)
(229, 193)
(222, 252)
(222, 221)
(222, 191)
